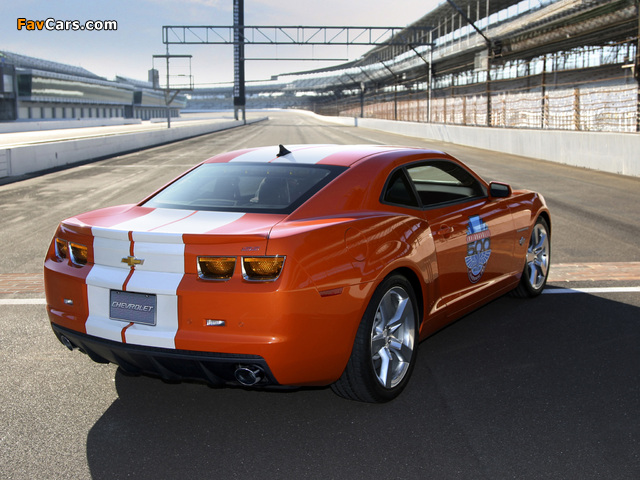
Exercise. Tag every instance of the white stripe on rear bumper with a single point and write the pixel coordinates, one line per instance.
(100, 281)
(164, 285)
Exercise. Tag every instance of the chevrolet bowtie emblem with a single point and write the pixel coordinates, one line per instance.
(132, 261)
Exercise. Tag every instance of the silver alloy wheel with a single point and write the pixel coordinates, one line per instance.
(393, 337)
(538, 256)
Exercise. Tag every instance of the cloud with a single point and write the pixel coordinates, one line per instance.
(217, 4)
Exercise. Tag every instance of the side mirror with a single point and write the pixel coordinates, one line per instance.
(499, 190)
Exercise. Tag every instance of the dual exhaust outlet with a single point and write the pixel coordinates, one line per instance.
(247, 375)
(67, 343)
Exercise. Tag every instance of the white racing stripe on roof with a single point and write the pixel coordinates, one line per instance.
(321, 152)
(312, 156)
(261, 155)
(269, 154)
(304, 154)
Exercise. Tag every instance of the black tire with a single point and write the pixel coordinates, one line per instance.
(537, 262)
(379, 342)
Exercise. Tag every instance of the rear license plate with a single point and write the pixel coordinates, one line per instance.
(133, 307)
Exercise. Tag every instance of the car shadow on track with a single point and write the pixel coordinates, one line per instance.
(546, 388)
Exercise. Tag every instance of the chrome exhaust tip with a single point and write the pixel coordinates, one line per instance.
(248, 374)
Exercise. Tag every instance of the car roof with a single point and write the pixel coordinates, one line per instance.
(339, 155)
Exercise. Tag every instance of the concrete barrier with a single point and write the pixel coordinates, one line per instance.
(25, 159)
(608, 152)
(5, 156)
(29, 126)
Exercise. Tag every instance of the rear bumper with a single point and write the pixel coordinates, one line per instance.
(170, 365)
(304, 338)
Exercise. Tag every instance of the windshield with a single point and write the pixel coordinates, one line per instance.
(245, 187)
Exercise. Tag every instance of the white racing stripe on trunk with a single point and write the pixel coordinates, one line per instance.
(159, 283)
(152, 220)
(157, 240)
(160, 257)
(199, 222)
(110, 252)
(109, 233)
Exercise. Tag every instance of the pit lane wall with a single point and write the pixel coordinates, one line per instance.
(608, 152)
(30, 126)
(25, 159)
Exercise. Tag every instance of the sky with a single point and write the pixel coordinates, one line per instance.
(128, 51)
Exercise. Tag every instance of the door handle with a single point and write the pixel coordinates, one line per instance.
(444, 230)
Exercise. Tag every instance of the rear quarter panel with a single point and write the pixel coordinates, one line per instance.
(355, 253)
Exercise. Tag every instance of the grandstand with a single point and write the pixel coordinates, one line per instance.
(541, 64)
(37, 89)
(544, 64)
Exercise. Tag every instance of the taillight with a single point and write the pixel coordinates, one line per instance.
(77, 253)
(216, 268)
(62, 249)
(262, 269)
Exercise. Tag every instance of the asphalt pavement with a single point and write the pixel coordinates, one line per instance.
(525, 389)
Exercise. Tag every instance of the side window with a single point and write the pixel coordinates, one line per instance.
(441, 181)
(399, 191)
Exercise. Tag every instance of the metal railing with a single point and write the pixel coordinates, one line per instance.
(588, 89)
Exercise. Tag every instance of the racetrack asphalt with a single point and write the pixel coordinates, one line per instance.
(527, 389)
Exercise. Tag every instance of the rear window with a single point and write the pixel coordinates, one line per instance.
(245, 187)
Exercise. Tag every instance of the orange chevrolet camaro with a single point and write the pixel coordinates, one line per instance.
(293, 266)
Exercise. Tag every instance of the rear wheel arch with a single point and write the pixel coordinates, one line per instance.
(385, 348)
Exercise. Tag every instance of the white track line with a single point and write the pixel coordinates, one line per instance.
(23, 301)
(594, 290)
